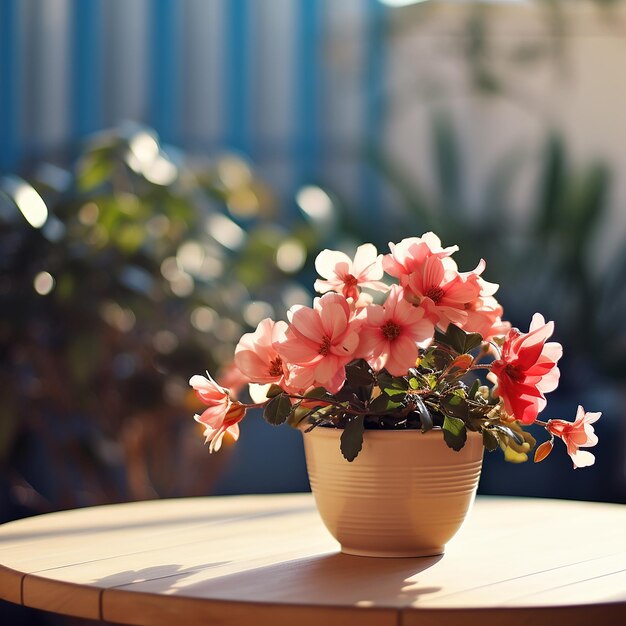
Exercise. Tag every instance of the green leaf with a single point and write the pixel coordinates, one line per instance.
(474, 389)
(392, 385)
(454, 432)
(490, 440)
(455, 404)
(94, 170)
(299, 414)
(414, 383)
(383, 404)
(316, 393)
(274, 391)
(352, 438)
(426, 419)
(359, 374)
(509, 433)
(277, 410)
(457, 339)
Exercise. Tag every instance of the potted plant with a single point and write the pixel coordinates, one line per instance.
(389, 396)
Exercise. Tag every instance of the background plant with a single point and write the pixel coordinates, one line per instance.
(117, 275)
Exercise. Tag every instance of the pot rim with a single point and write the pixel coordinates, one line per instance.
(376, 433)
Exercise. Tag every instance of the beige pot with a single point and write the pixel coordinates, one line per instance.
(406, 494)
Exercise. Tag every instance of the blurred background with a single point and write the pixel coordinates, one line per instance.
(169, 171)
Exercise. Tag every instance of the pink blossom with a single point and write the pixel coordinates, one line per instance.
(576, 435)
(346, 276)
(444, 293)
(216, 398)
(484, 316)
(410, 254)
(257, 358)
(320, 341)
(392, 332)
(232, 378)
(215, 434)
(221, 415)
(526, 370)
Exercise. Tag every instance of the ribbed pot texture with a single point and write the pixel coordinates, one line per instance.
(406, 494)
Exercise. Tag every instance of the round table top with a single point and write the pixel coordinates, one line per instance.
(269, 560)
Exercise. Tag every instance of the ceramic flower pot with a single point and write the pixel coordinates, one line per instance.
(405, 495)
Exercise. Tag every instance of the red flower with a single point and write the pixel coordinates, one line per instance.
(527, 370)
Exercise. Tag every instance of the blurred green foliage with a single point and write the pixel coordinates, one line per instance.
(119, 278)
(550, 258)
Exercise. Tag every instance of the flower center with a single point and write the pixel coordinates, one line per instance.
(276, 367)
(513, 373)
(435, 294)
(350, 281)
(325, 347)
(390, 330)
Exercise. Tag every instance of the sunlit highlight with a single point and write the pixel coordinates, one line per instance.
(290, 256)
(234, 172)
(256, 311)
(315, 202)
(183, 285)
(190, 257)
(225, 231)
(161, 172)
(243, 203)
(31, 204)
(44, 283)
(203, 318)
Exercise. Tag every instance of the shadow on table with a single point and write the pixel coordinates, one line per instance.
(336, 579)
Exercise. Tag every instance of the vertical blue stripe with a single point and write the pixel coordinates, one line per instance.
(165, 69)
(9, 85)
(374, 93)
(237, 92)
(86, 72)
(307, 86)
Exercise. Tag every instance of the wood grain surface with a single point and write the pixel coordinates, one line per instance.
(269, 560)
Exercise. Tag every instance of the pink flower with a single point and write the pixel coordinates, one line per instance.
(410, 255)
(577, 435)
(257, 358)
(230, 377)
(345, 276)
(484, 316)
(444, 293)
(321, 341)
(392, 332)
(221, 415)
(527, 370)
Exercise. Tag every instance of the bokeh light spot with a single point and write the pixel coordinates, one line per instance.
(165, 342)
(315, 202)
(290, 256)
(31, 204)
(225, 231)
(256, 311)
(243, 203)
(88, 214)
(190, 257)
(44, 283)
(203, 318)
(183, 285)
(234, 172)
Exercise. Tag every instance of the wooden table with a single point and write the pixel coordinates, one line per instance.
(268, 560)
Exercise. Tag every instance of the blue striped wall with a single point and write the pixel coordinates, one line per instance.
(283, 81)
(10, 62)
